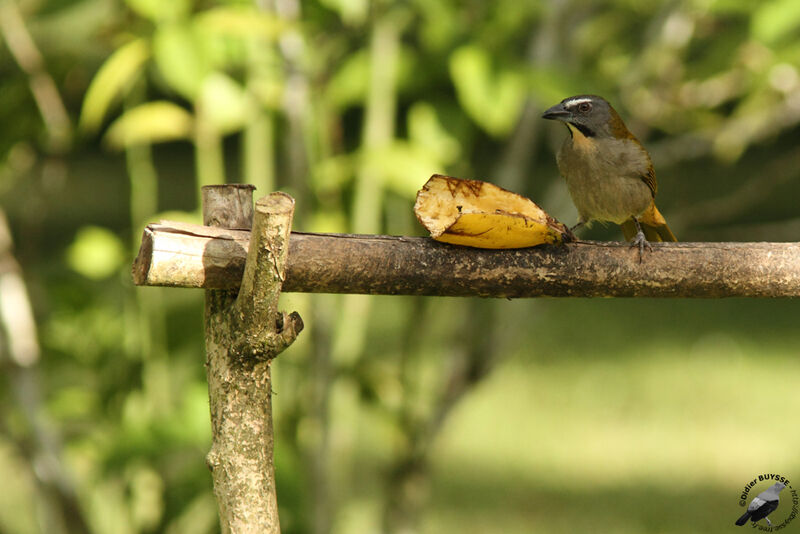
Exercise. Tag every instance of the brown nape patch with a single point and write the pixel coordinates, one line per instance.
(618, 128)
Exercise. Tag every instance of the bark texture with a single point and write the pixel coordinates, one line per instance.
(244, 333)
(196, 256)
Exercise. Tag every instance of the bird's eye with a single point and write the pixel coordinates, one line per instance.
(585, 107)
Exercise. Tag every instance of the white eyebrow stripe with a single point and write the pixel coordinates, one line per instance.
(577, 101)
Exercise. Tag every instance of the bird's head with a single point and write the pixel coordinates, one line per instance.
(591, 115)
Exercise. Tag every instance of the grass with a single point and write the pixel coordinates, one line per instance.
(625, 428)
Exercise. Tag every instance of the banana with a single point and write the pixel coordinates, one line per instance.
(482, 215)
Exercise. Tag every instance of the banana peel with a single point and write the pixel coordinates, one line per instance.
(479, 214)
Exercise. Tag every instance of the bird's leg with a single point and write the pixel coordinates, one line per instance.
(768, 521)
(570, 232)
(640, 241)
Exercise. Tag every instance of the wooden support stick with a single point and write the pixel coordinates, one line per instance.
(174, 254)
(244, 333)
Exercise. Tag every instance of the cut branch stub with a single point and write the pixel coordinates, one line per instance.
(265, 331)
(243, 333)
(228, 206)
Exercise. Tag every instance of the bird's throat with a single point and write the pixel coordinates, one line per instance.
(581, 138)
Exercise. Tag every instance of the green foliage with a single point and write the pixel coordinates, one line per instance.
(158, 11)
(112, 81)
(493, 100)
(153, 122)
(179, 52)
(426, 131)
(238, 22)
(96, 252)
(776, 20)
(224, 103)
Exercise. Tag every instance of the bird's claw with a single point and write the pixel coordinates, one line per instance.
(641, 242)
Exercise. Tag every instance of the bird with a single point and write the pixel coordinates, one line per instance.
(609, 173)
(763, 505)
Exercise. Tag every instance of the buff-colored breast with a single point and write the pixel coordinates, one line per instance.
(604, 177)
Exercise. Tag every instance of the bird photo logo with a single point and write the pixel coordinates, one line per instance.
(767, 502)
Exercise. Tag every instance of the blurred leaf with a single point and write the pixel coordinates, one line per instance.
(152, 122)
(492, 100)
(439, 23)
(775, 20)
(598, 36)
(111, 81)
(403, 166)
(137, 415)
(224, 103)
(181, 59)
(87, 335)
(352, 11)
(161, 10)
(328, 222)
(108, 507)
(731, 6)
(752, 117)
(425, 131)
(73, 27)
(74, 402)
(268, 91)
(550, 85)
(349, 83)
(333, 173)
(96, 252)
(18, 506)
(198, 516)
(191, 420)
(146, 496)
(241, 21)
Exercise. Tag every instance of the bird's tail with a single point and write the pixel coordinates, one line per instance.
(742, 520)
(653, 225)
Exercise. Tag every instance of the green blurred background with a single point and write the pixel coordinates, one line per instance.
(393, 414)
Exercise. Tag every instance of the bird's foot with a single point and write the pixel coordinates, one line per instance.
(641, 242)
(569, 235)
(579, 224)
(768, 521)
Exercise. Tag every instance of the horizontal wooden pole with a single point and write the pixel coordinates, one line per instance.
(182, 255)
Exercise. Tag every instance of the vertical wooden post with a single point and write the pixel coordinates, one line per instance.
(244, 333)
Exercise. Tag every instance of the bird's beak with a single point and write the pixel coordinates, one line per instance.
(557, 113)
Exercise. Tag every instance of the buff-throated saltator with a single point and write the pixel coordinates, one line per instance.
(609, 173)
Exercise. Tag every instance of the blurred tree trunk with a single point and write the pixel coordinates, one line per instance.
(57, 504)
(475, 352)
